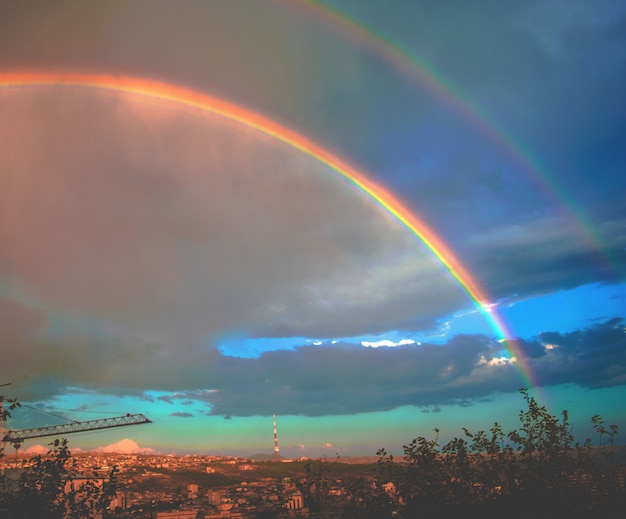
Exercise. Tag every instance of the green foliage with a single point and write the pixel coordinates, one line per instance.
(607, 436)
(537, 468)
(367, 499)
(316, 487)
(46, 489)
(5, 414)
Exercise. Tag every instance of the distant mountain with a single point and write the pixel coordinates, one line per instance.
(37, 449)
(126, 446)
(262, 457)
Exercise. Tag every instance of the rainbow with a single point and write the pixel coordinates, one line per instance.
(419, 71)
(159, 91)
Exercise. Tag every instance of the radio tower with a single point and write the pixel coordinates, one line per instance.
(276, 449)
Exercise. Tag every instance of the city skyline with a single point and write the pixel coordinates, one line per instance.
(366, 220)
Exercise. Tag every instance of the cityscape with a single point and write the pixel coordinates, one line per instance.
(157, 486)
(197, 487)
(182, 486)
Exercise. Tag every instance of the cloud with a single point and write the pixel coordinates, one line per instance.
(141, 241)
(397, 129)
(42, 450)
(315, 381)
(592, 358)
(182, 415)
(17, 316)
(387, 343)
(546, 254)
(153, 224)
(349, 378)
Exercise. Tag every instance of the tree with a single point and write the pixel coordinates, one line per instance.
(537, 469)
(5, 414)
(368, 499)
(316, 487)
(47, 489)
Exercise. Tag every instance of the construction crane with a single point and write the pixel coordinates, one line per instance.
(16, 438)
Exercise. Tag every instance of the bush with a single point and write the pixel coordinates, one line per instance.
(45, 489)
(535, 469)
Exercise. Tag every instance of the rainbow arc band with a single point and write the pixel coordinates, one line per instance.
(160, 91)
(418, 71)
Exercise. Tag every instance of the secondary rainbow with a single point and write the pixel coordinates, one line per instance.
(418, 70)
(190, 98)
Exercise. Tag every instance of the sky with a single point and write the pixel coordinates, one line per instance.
(368, 218)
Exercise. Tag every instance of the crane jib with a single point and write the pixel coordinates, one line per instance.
(90, 425)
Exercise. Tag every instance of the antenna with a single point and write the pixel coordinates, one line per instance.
(276, 449)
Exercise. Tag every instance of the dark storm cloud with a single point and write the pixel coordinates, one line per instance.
(551, 253)
(20, 317)
(187, 227)
(534, 72)
(182, 415)
(328, 380)
(257, 54)
(41, 367)
(346, 379)
(349, 379)
(592, 358)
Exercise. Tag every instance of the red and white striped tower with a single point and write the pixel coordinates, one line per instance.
(276, 449)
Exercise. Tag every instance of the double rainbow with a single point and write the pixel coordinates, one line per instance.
(159, 91)
(418, 71)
